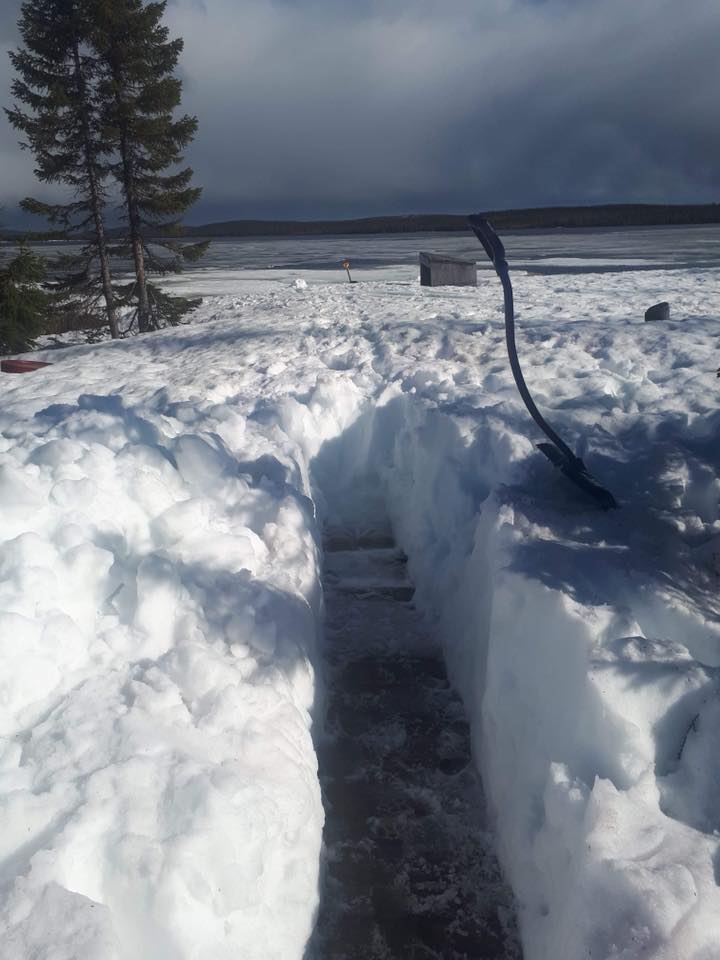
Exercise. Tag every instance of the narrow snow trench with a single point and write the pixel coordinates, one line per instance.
(410, 870)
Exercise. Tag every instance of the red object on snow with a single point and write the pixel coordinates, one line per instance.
(22, 366)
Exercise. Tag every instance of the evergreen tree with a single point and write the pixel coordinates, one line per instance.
(23, 303)
(141, 94)
(57, 83)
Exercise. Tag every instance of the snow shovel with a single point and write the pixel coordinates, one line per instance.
(557, 451)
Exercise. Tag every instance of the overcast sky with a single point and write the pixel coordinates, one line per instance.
(330, 108)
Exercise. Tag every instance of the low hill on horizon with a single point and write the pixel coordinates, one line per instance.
(531, 218)
(605, 215)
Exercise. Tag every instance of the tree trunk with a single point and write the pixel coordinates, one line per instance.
(105, 275)
(95, 201)
(128, 185)
(135, 237)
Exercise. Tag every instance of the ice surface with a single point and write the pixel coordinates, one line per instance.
(161, 607)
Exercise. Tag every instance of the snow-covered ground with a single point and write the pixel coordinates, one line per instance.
(162, 500)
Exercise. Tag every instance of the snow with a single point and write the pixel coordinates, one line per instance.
(162, 613)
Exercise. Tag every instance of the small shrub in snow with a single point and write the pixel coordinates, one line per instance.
(23, 304)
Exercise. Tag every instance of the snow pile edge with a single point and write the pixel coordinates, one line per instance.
(161, 607)
(593, 723)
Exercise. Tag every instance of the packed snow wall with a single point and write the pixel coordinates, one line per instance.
(589, 666)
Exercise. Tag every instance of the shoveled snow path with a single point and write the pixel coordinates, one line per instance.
(410, 869)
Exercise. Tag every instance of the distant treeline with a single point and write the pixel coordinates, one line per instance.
(534, 218)
(609, 215)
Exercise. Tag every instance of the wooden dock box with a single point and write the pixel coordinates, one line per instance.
(439, 270)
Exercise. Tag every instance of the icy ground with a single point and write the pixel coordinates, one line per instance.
(162, 506)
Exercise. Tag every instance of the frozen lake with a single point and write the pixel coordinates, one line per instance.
(562, 251)
(535, 251)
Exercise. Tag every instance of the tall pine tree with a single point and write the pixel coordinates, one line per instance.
(57, 84)
(140, 94)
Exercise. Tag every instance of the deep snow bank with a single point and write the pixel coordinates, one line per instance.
(589, 662)
(586, 644)
(160, 608)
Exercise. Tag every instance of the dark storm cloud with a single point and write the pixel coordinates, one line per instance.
(13, 166)
(322, 107)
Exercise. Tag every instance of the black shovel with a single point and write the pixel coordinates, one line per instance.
(557, 451)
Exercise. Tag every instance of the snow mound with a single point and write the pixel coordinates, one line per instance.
(159, 602)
